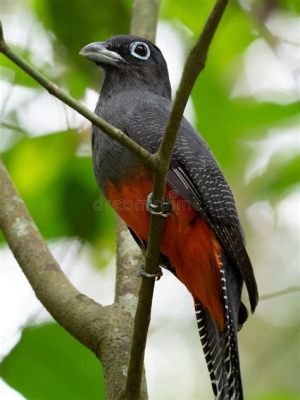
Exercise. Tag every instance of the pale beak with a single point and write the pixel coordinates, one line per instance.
(98, 53)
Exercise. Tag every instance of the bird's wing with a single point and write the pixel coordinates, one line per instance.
(207, 190)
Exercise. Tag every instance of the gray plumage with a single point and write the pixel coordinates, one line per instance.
(135, 97)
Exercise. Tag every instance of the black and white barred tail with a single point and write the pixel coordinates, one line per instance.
(220, 347)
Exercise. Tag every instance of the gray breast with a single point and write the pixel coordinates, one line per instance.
(112, 161)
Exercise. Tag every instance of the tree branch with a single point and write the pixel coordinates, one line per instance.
(289, 290)
(129, 256)
(107, 331)
(110, 337)
(144, 18)
(193, 66)
(73, 310)
(57, 92)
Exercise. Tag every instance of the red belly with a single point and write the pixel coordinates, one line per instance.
(189, 243)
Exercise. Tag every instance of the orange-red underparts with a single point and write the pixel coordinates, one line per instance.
(189, 243)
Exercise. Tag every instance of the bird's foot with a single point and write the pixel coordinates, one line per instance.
(164, 210)
(143, 274)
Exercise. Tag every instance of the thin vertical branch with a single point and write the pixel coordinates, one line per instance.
(144, 18)
(144, 24)
(128, 258)
(193, 66)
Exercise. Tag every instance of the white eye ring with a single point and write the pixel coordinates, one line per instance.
(135, 45)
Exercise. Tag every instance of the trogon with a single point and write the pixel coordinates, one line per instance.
(203, 242)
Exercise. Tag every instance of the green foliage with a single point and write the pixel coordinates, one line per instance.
(276, 396)
(291, 5)
(192, 16)
(233, 120)
(58, 185)
(50, 364)
(281, 179)
(11, 73)
(236, 119)
(77, 24)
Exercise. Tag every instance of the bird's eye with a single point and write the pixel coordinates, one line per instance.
(140, 50)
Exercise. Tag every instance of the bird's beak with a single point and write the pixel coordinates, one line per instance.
(98, 53)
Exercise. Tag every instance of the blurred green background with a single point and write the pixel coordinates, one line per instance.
(246, 105)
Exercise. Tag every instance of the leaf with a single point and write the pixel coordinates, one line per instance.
(49, 364)
(291, 5)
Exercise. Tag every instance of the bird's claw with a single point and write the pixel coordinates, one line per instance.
(164, 210)
(143, 274)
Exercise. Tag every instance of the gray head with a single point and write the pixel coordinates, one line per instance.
(130, 61)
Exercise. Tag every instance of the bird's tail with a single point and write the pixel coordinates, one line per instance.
(220, 347)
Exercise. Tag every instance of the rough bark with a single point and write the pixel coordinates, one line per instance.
(107, 331)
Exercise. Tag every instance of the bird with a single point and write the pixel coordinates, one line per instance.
(203, 242)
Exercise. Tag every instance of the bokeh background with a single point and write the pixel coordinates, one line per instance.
(245, 104)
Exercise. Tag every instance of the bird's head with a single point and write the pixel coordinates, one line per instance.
(130, 61)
